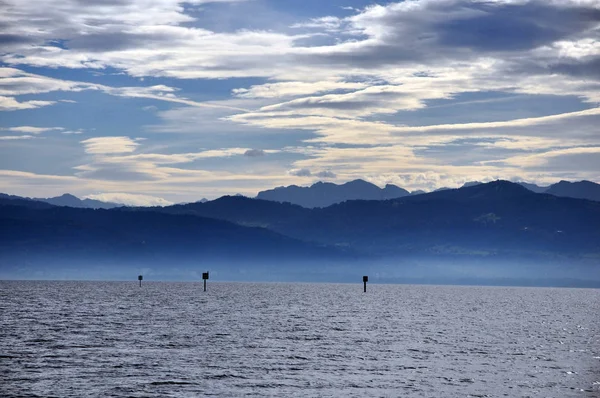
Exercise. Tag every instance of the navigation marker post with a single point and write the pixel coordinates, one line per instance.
(205, 278)
(365, 280)
(140, 277)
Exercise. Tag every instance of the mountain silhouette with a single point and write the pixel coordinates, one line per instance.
(323, 194)
(533, 187)
(13, 200)
(493, 227)
(470, 184)
(499, 218)
(50, 234)
(581, 190)
(67, 200)
(73, 201)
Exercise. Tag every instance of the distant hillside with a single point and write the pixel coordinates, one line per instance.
(73, 201)
(470, 184)
(67, 200)
(533, 187)
(498, 219)
(62, 235)
(581, 190)
(12, 200)
(323, 194)
(499, 228)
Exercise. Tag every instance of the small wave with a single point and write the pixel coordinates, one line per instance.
(170, 382)
(225, 376)
(298, 357)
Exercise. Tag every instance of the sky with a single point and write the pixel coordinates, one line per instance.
(152, 102)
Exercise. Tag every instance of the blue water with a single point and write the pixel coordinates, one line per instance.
(115, 339)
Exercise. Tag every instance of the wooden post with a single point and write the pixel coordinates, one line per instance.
(140, 277)
(205, 278)
(365, 280)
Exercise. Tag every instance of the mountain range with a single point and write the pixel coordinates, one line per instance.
(494, 230)
(580, 189)
(324, 194)
(69, 201)
(500, 216)
(38, 237)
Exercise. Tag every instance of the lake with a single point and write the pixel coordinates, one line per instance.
(116, 339)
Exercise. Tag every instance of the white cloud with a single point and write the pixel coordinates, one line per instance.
(31, 129)
(337, 81)
(328, 23)
(15, 82)
(108, 145)
(510, 123)
(130, 199)
(160, 39)
(290, 89)
(540, 159)
(16, 137)
(11, 104)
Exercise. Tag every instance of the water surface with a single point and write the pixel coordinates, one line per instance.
(103, 339)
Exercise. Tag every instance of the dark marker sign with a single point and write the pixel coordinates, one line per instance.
(205, 277)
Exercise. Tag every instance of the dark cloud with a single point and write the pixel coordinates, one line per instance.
(307, 173)
(120, 41)
(325, 174)
(253, 153)
(512, 27)
(589, 68)
(459, 30)
(301, 173)
(13, 39)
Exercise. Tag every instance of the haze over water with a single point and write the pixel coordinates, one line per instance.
(74, 339)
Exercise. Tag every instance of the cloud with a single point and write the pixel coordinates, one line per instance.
(11, 104)
(164, 40)
(253, 153)
(328, 23)
(32, 129)
(334, 130)
(108, 145)
(543, 158)
(348, 86)
(130, 199)
(325, 174)
(372, 100)
(114, 159)
(300, 172)
(16, 137)
(15, 82)
(287, 89)
(305, 172)
(510, 123)
(390, 57)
